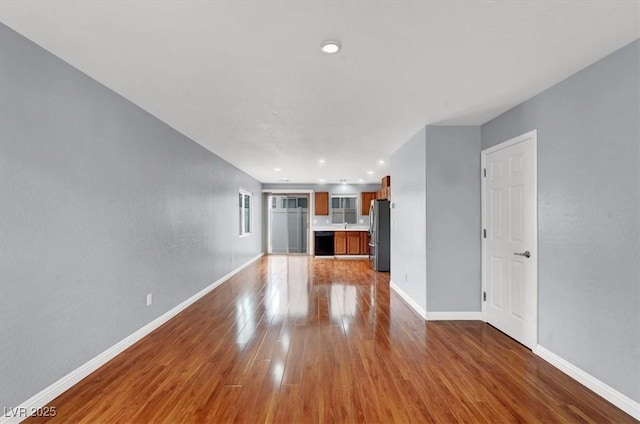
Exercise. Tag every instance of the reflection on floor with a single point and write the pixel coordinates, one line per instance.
(297, 340)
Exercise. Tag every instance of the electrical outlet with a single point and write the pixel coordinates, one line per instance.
(149, 299)
(361, 221)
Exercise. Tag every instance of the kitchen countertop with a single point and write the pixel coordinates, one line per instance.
(341, 228)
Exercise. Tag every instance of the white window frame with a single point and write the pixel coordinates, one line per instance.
(243, 210)
(331, 209)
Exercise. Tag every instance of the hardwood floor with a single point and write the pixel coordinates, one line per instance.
(297, 340)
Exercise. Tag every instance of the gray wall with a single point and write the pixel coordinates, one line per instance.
(453, 219)
(408, 218)
(588, 215)
(101, 203)
(435, 232)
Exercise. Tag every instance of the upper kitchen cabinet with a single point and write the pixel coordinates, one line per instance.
(365, 201)
(321, 202)
(385, 191)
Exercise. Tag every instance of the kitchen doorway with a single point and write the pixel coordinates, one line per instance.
(288, 223)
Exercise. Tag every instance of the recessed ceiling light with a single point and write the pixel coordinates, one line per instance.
(321, 160)
(381, 162)
(360, 180)
(370, 172)
(330, 46)
(322, 180)
(277, 169)
(284, 179)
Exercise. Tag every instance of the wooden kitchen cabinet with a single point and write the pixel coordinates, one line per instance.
(364, 242)
(340, 243)
(321, 202)
(365, 201)
(385, 191)
(384, 194)
(353, 242)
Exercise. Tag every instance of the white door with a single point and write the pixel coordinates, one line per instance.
(510, 252)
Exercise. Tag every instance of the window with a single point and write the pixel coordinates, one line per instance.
(344, 209)
(289, 202)
(294, 202)
(245, 212)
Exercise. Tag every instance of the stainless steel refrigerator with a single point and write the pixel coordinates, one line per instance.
(380, 232)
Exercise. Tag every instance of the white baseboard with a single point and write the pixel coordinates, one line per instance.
(455, 316)
(408, 300)
(623, 402)
(37, 401)
(436, 316)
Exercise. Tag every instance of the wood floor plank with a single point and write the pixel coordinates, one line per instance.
(292, 339)
(294, 363)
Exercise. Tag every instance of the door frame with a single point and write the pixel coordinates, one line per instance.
(533, 137)
(266, 192)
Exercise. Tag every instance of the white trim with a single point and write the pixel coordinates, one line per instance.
(483, 225)
(266, 206)
(312, 213)
(533, 136)
(49, 393)
(245, 192)
(511, 142)
(286, 191)
(623, 402)
(408, 300)
(455, 316)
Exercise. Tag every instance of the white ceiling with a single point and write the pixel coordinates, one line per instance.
(247, 80)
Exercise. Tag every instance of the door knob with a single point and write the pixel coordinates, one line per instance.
(526, 254)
